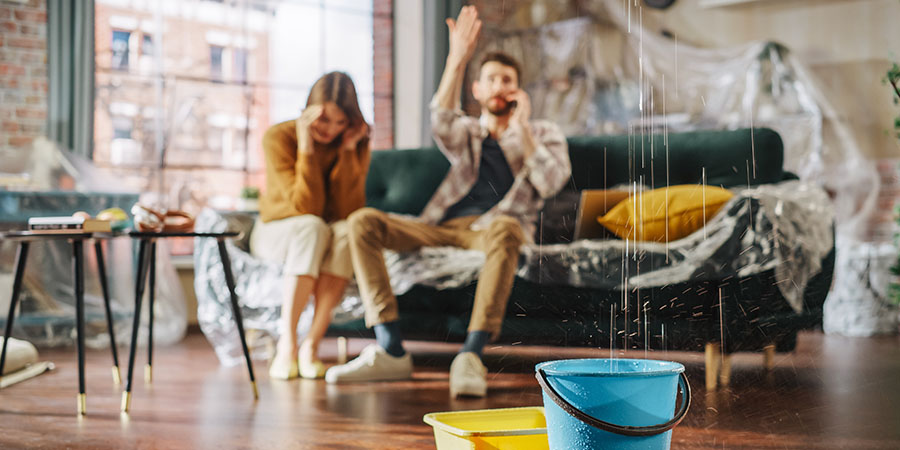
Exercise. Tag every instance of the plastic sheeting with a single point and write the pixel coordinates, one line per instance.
(600, 74)
(47, 308)
(786, 227)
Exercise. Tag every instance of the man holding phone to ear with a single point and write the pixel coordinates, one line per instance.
(502, 167)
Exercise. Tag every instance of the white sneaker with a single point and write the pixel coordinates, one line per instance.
(372, 364)
(468, 376)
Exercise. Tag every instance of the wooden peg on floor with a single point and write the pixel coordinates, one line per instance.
(712, 365)
(769, 356)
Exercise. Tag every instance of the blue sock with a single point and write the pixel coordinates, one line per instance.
(475, 342)
(388, 336)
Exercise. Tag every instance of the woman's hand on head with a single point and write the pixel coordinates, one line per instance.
(353, 134)
(303, 123)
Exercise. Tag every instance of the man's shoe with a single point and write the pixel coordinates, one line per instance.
(468, 376)
(283, 368)
(372, 364)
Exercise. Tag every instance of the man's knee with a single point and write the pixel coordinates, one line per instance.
(505, 231)
(366, 222)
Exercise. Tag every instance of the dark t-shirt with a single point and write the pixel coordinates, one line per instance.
(494, 180)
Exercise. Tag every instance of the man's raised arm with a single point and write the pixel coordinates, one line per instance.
(445, 105)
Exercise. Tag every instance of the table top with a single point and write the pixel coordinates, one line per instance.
(26, 235)
(166, 234)
(42, 236)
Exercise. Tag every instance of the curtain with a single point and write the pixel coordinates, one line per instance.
(436, 48)
(70, 44)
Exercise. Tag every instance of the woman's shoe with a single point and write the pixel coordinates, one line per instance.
(283, 368)
(312, 370)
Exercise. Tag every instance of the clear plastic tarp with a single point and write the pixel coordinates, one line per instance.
(603, 73)
(48, 181)
(762, 225)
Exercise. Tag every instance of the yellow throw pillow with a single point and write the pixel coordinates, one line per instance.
(646, 217)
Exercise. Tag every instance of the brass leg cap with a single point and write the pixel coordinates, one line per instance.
(255, 390)
(148, 374)
(126, 401)
(82, 404)
(117, 376)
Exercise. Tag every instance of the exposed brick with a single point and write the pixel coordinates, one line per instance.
(35, 99)
(39, 71)
(8, 27)
(26, 42)
(33, 113)
(5, 13)
(20, 141)
(31, 30)
(9, 127)
(31, 15)
(30, 57)
(32, 129)
(12, 83)
(12, 69)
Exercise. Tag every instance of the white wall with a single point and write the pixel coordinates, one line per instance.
(408, 73)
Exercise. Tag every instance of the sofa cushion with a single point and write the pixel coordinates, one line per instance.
(665, 214)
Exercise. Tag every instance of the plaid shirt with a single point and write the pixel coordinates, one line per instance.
(541, 176)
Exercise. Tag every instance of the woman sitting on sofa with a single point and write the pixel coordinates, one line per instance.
(316, 168)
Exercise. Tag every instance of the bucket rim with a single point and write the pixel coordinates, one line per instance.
(435, 420)
(547, 367)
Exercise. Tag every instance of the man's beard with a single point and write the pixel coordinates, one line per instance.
(499, 110)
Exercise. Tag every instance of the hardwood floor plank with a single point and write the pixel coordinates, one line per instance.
(831, 393)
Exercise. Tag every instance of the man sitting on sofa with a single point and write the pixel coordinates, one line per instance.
(502, 167)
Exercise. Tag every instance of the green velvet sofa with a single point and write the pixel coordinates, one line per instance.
(755, 315)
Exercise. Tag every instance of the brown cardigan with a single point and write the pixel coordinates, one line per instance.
(329, 182)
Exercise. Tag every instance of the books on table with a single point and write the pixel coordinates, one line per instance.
(68, 224)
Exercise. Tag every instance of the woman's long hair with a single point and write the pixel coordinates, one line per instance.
(337, 87)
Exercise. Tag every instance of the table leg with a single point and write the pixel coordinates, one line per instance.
(148, 371)
(140, 279)
(21, 258)
(101, 268)
(236, 310)
(78, 256)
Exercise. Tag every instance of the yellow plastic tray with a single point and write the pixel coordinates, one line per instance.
(509, 428)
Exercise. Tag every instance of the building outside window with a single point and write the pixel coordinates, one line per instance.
(120, 49)
(213, 77)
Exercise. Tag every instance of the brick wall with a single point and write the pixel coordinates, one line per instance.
(23, 72)
(383, 55)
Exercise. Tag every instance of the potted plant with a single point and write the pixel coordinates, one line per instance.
(249, 199)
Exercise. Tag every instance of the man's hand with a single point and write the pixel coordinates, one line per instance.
(352, 136)
(519, 119)
(463, 35)
(304, 139)
(522, 112)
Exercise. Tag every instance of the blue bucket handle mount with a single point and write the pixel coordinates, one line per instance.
(625, 430)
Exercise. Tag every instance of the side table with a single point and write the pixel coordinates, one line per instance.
(25, 238)
(147, 266)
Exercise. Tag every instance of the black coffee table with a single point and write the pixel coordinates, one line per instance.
(148, 239)
(25, 238)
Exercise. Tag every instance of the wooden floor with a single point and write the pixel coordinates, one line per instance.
(832, 392)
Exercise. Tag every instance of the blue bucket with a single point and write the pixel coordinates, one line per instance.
(612, 403)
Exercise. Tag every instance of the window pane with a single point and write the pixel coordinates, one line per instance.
(120, 49)
(230, 70)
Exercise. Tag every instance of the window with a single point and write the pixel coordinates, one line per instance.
(239, 72)
(147, 45)
(215, 62)
(122, 127)
(230, 70)
(119, 48)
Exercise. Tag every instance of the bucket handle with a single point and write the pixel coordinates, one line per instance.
(626, 430)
